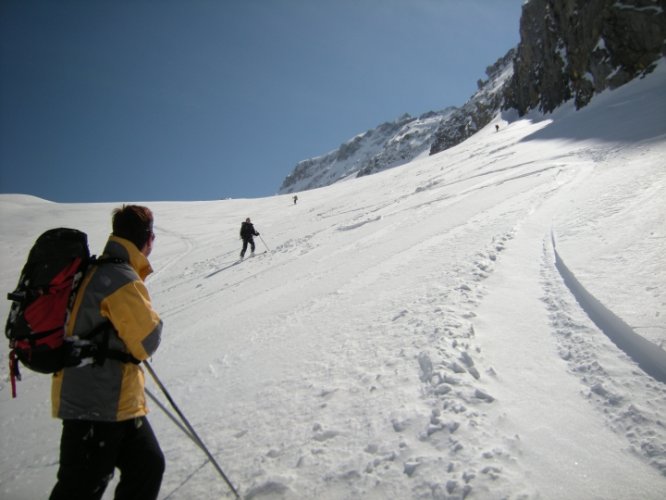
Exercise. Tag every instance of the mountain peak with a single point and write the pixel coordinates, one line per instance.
(386, 146)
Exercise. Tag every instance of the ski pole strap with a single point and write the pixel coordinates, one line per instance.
(14, 372)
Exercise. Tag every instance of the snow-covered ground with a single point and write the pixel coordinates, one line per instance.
(439, 330)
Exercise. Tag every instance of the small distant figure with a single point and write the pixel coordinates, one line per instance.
(247, 233)
(295, 199)
(496, 128)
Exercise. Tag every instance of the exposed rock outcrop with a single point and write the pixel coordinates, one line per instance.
(479, 110)
(573, 49)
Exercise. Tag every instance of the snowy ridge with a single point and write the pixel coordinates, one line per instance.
(409, 335)
(389, 145)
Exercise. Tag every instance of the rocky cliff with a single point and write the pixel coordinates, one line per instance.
(573, 49)
(479, 110)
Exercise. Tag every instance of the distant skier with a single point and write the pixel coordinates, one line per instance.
(247, 233)
(295, 199)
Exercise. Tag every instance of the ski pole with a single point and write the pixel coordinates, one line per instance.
(262, 240)
(191, 430)
(171, 416)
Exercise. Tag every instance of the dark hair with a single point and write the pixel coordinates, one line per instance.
(134, 223)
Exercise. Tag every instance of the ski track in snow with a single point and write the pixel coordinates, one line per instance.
(451, 428)
(580, 346)
(647, 355)
(442, 365)
(447, 374)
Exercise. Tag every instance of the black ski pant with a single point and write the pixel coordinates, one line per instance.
(90, 451)
(249, 240)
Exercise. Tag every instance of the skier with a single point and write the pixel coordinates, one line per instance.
(103, 406)
(247, 232)
(295, 199)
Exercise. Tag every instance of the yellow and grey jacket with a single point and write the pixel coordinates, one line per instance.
(115, 292)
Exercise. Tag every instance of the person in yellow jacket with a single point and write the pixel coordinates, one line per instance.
(103, 404)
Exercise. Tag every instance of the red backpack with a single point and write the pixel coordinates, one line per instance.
(42, 301)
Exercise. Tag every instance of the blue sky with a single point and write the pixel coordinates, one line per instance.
(145, 100)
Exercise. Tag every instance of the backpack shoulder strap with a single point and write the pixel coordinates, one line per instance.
(100, 351)
(99, 261)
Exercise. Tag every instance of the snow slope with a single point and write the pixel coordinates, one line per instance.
(425, 332)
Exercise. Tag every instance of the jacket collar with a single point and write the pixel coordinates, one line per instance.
(125, 249)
